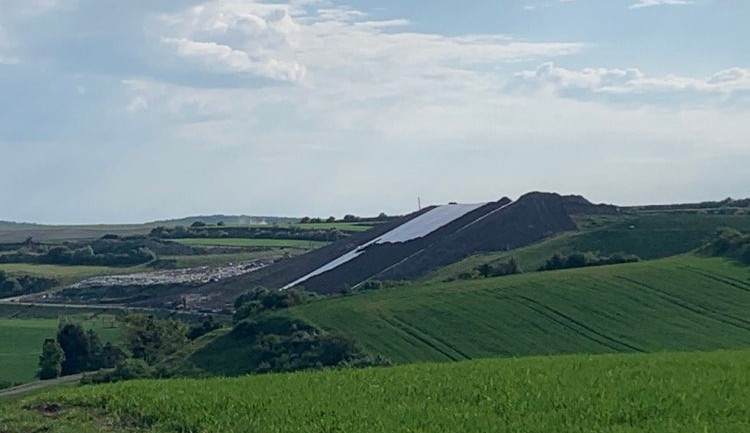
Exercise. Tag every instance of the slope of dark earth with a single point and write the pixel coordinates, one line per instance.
(288, 270)
(497, 226)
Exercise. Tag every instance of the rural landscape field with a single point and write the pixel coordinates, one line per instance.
(349, 216)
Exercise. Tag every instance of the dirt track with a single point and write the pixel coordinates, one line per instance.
(22, 389)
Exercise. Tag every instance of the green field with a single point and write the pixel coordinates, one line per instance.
(649, 236)
(664, 393)
(681, 303)
(66, 275)
(245, 242)
(21, 342)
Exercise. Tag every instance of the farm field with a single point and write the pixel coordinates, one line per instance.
(680, 303)
(21, 342)
(665, 393)
(649, 236)
(246, 242)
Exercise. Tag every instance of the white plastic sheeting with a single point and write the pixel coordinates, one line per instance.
(418, 227)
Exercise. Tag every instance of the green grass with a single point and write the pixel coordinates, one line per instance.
(649, 236)
(21, 342)
(66, 275)
(243, 242)
(664, 393)
(681, 303)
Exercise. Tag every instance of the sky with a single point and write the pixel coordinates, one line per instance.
(129, 111)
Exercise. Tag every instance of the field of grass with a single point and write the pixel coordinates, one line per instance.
(21, 342)
(243, 242)
(649, 236)
(66, 275)
(664, 393)
(680, 303)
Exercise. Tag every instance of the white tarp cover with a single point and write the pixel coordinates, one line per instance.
(416, 228)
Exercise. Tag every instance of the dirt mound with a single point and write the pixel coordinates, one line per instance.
(495, 226)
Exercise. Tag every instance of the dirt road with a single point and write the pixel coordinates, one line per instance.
(22, 389)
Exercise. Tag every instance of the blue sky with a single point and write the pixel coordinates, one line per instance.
(115, 111)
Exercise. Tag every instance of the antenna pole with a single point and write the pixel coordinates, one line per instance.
(419, 203)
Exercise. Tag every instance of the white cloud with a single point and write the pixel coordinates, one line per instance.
(648, 3)
(632, 85)
(318, 46)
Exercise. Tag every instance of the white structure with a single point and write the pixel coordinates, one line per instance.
(418, 227)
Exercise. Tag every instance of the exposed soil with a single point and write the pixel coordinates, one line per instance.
(497, 226)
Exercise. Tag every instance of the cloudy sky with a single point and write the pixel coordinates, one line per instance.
(124, 111)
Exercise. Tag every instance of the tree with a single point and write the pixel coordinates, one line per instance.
(152, 339)
(331, 219)
(75, 344)
(50, 362)
(382, 216)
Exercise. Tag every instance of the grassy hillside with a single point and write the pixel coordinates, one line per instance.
(665, 393)
(649, 236)
(681, 303)
(21, 342)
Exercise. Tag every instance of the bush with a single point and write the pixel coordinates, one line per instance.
(50, 362)
(127, 369)
(730, 243)
(260, 300)
(582, 259)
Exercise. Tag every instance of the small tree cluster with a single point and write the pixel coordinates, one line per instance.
(583, 259)
(75, 350)
(261, 299)
(488, 270)
(728, 242)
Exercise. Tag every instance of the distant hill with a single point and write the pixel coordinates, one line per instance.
(227, 219)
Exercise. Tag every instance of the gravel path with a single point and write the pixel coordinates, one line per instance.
(33, 386)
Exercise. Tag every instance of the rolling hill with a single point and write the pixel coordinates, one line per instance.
(681, 303)
(665, 393)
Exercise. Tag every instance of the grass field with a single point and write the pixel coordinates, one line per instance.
(649, 236)
(21, 342)
(664, 393)
(66, 275)
(681, 303)
(243, 242)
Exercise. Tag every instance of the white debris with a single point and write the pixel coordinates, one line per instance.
(416, 228)
(191, 276)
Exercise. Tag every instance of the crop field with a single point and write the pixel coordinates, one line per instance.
(650, 236)
(21, 342)
(244, 242)
(665, 393)
(681, 303)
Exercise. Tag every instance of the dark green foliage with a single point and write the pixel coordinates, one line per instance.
(266, 232)
(261, 299)
(580, 260)
(16, 286)
(50, 362)
(110, 356)
(203, 328)
(488, 270)
(728, 242)
(76, 345)
(273, 344)
(152, 339)
(127, 369)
